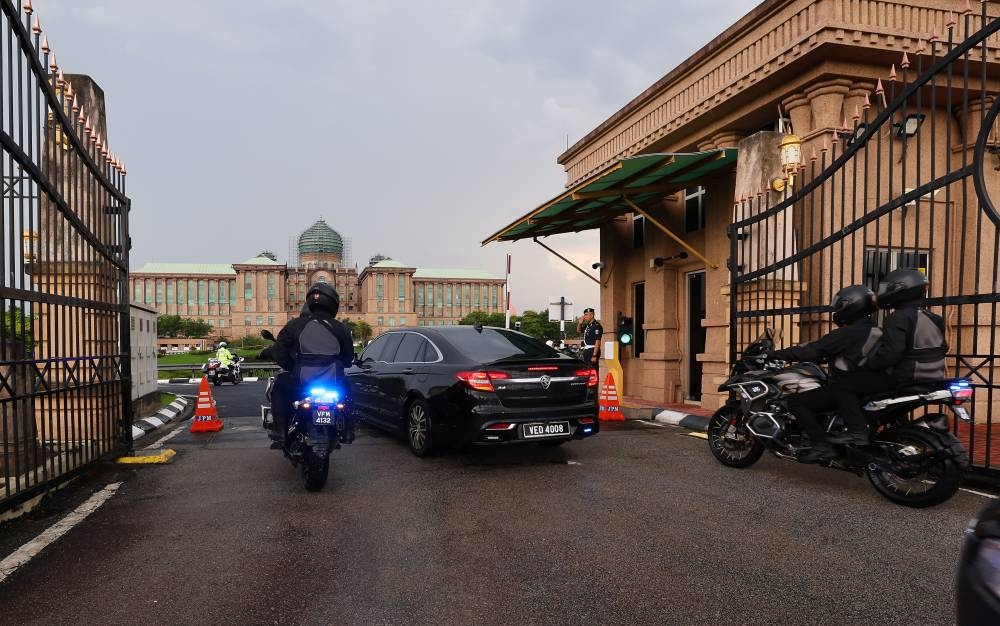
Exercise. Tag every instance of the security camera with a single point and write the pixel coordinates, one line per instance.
(597, 265)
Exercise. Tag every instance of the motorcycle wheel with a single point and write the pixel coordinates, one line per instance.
(216, 382)
(933, 486)
(729, 440)
(237, 379)
(315, 472)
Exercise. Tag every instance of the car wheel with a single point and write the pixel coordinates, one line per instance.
(419, 428)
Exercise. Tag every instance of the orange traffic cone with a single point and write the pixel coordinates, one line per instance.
(607, 401)
(206, 416)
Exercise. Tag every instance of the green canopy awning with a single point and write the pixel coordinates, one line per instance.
(602, 198)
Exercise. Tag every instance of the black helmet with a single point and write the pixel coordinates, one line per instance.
(322, 296)
(852, 303)
(900, 286)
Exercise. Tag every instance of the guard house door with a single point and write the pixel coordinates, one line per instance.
(695, 332)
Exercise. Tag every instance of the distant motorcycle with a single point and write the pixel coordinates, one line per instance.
(314, 429)
(218, 373)
(914, 459)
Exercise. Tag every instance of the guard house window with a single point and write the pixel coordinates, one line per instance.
(638, 231)
(878, 263)
(694, 209)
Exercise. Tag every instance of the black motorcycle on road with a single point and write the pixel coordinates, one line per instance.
(318, 419)
(914, 459)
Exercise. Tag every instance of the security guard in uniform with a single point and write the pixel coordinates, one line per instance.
(592, 332)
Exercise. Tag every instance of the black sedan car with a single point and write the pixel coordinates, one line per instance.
(979, 570)
(454, 386)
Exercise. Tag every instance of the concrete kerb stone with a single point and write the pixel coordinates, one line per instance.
(684, 420)
(178, 409)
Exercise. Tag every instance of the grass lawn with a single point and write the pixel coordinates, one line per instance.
(166, 398)
(198, 359)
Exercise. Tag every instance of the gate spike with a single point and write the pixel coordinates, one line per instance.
(27, 7)
(86, 125)
(968, 8)
(845, 127)
(950, 24)
(52, 63)
(836, 136)
(36, 26)
(868, 103)
(825, 147)
(921, 47)
(82, 117)
(892, 72)
(45, 44)
(933, 36)
(813, 156)
(857, 113)
(60, 78)
(76, 104)
(905, 63)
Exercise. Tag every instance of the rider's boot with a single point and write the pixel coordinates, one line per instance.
(821, 451)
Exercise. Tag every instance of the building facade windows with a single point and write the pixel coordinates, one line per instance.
(694, 209)
(271, 290)
(379, 288)
(248, 288)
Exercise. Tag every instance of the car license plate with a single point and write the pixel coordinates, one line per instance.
(323, 418)
(547, 429)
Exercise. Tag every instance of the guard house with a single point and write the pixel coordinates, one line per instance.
(812, 145)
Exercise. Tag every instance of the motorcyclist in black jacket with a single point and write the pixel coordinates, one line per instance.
(912, 350)
(843, 348)
(301, 362)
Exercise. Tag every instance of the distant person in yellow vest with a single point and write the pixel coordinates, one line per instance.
(592, 332)
(226, 358)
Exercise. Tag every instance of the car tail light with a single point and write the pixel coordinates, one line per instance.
(591, 375)
(500, 426)
(481, 381)
(586, 420)
(961, 391)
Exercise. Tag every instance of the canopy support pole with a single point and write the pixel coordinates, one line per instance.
(573, 265)
(668, 232)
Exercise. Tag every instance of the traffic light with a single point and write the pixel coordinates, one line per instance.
(626, 332)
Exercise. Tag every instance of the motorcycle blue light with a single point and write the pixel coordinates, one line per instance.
(317, 391)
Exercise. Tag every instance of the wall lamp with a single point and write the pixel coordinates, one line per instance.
(790, 156)
(909, 126)
(660, 260)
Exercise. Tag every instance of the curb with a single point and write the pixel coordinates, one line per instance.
(684, 420)
(169, 413)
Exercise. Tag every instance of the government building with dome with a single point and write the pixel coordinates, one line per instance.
(243, 298)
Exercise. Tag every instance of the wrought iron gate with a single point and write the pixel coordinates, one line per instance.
(64, 337)
(910, 181)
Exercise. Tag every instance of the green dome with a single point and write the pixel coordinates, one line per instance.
(320, 238)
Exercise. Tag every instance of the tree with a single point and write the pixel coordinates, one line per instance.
(168, 326)
(17, 327)
(484, 318)
(195, 328)
(363, 331)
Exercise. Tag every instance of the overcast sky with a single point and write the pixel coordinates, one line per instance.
(416, 129)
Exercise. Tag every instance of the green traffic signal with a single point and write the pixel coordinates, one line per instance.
(625, 330)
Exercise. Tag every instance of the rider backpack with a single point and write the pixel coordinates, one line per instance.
(318, 353)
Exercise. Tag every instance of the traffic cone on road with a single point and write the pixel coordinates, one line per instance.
(206, 416)
(607, 402)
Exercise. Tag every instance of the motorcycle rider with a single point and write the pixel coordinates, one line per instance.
(912, 350)
(308, 351)
(843, 348)
(226, 358)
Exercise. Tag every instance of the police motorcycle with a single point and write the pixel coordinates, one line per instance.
(914, 459)
(218, 373)
(315, 426)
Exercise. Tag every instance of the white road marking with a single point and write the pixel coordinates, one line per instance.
(28, 551)
(980, 493)
(573, 463)
(652, 423)
(162, 440)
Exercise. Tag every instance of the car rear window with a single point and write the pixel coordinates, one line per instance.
(496, 344)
